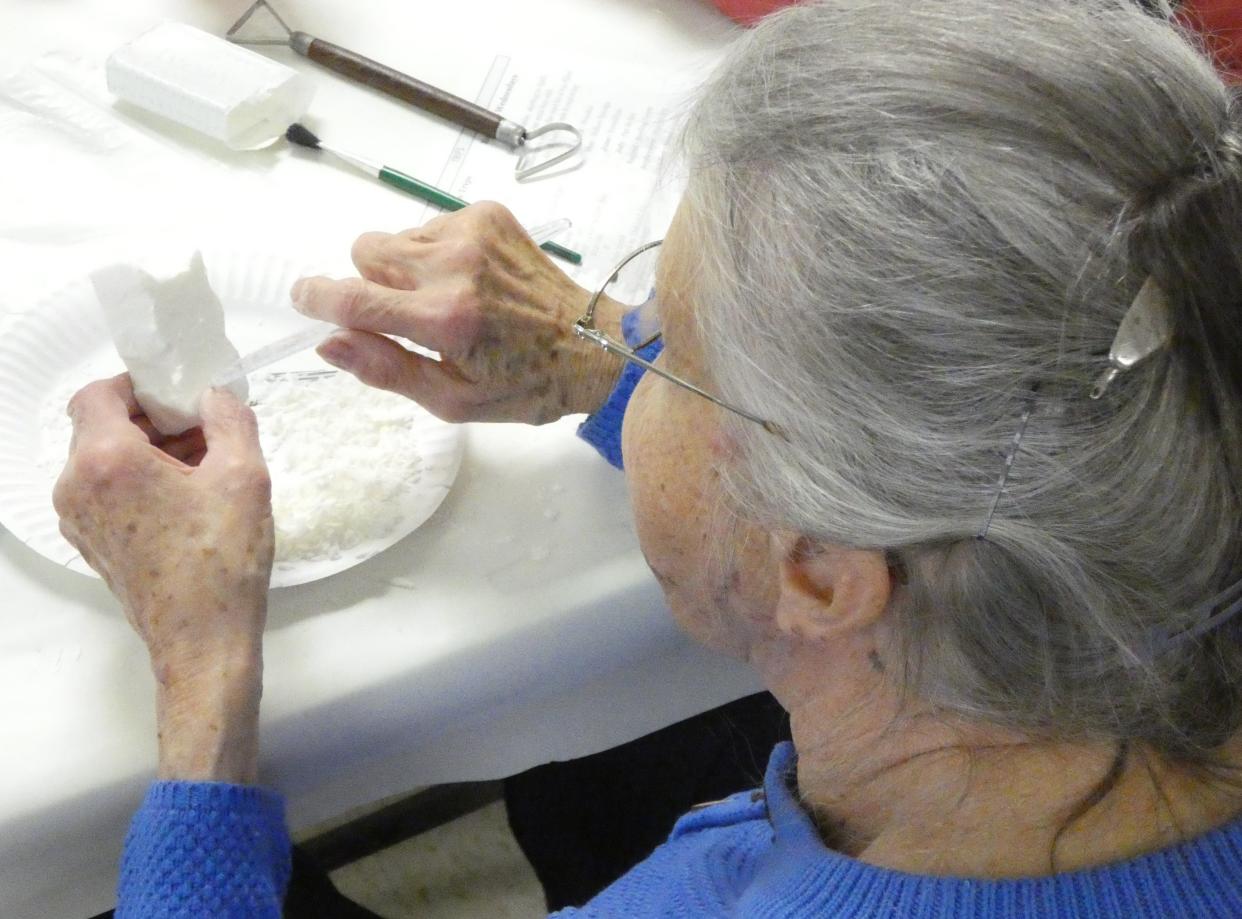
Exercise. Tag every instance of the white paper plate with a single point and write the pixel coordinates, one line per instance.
(61, 343)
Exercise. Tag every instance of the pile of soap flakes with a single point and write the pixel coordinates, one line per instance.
(342, 458)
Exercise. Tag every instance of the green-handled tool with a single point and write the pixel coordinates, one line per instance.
(303, 137)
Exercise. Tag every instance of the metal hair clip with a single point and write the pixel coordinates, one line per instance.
(1223, 607)
(1144, 330)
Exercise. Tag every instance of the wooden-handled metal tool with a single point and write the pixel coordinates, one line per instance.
(565, 144)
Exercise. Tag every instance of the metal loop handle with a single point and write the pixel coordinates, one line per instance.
(530, 163)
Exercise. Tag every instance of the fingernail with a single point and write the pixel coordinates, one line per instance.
(295, 293)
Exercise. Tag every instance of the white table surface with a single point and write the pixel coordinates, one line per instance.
(519, 625)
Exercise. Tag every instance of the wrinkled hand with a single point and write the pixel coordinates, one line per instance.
(181, 531)
(474, 287)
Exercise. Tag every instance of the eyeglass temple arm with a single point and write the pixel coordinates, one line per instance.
(589, 318)
(604, 342)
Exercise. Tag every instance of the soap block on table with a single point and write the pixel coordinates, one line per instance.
(169, 331)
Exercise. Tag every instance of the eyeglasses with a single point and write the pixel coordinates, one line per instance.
(585, 328)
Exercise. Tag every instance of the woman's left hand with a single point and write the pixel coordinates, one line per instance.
(473, 286)
(181, 531)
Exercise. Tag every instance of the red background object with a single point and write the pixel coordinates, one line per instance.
(1220, 22)
(748, 12)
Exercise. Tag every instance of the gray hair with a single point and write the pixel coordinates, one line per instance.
(914, 220)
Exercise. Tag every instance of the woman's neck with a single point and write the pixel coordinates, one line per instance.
(930, 795)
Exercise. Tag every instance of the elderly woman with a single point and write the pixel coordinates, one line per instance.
(988, 576)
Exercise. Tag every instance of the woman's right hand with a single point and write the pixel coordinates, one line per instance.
(473, 286)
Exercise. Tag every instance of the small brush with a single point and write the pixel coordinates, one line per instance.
(302, 136)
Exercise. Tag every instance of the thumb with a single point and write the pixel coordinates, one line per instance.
(378, 361)
(229, 427)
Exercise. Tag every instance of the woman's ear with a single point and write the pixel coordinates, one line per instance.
(827, 591)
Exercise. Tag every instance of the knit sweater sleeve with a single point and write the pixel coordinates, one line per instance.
(602, 430)
(205, 849)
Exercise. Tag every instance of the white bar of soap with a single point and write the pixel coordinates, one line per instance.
(169, 331)
(211, 85)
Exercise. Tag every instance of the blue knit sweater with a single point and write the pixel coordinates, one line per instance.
(199, 849)
(205, 849)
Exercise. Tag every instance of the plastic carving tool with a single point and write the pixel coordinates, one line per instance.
(561, 141)
(304, 137)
